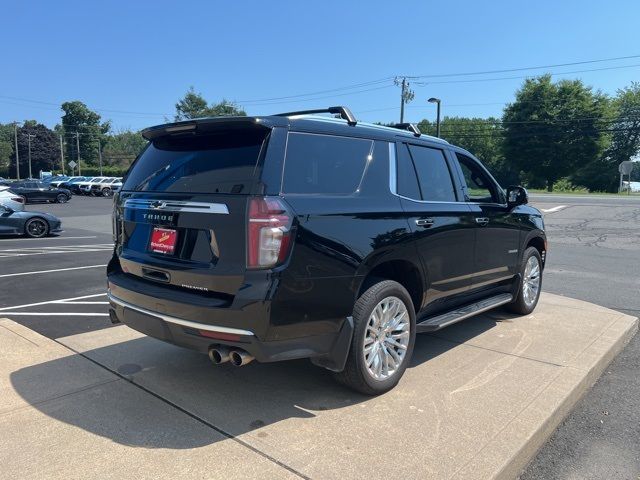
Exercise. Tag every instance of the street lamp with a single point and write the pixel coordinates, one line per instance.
(437, 101)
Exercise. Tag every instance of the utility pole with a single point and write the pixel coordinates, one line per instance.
(404, 86)
(62, 154)
(15, 132)
(78, 147)
(29, 137)
(406, 95)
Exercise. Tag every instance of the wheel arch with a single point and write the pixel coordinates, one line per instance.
(539, 242)
(404, 272)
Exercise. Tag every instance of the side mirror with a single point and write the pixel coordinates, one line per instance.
(517, 196)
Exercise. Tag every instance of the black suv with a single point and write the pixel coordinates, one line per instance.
(303, 236)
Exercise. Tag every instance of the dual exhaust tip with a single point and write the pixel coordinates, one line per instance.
(220, 354)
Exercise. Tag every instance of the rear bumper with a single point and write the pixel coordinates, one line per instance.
(327, 350)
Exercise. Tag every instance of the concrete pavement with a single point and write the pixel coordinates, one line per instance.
(477, 402)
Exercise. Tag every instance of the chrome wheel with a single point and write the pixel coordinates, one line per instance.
(37, 228)
(531, 281)
(386, 338)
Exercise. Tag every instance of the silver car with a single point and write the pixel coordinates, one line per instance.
(9, 199)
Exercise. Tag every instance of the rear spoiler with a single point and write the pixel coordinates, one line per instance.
(204, 125)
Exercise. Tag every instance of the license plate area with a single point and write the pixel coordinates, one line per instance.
(163, 240)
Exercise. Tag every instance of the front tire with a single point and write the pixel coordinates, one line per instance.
(62, 198)
(383, 339)
(530, 283)
(36, 228)
(106, 192)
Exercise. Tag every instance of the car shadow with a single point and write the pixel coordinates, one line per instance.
(149, 379)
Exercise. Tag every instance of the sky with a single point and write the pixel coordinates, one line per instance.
(132, 60)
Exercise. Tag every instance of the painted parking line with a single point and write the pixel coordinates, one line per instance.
(20, 239)
(37, 272)
(57, 250)
(57, 301)
(57, 314)
(554, 209)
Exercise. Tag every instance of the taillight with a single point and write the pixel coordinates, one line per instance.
(268, 232)
(18, 199)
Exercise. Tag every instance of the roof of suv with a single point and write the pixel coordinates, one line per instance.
(301, 121)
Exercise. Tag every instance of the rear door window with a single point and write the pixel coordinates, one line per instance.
(407, 179)
(434, 177)
(224, 162)
(324, 164)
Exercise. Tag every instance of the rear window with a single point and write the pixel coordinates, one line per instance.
(224, 162)
(324, 164)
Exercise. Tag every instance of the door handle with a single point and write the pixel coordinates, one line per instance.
(424, 222)
(482, 221)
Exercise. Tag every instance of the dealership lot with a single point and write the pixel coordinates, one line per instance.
(477, 391)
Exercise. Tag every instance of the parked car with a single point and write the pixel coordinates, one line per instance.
(31, 224)
(106, 187)
(36, 191)
(10, 199)
(70, 184)
(85, 187)
(58, 180)
(363, 237)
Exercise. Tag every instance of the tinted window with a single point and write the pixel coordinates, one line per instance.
(219, 163)
(324, 164)
(407, 179)
(479, 186)
(433, 174)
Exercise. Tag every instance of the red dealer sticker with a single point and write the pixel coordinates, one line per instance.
(163, 240)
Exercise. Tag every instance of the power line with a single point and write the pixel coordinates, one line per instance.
(422, 84)
(350, 87)
(486, 72)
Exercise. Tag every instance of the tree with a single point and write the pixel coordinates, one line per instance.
(122, 148)
(6, 145)
(79, 119)
(481, 136)
(45, 149)
(552, 129)
(194, 105)
(624, 127)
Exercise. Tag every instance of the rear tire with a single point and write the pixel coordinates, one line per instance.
(36, 228)
(62, 198)
(383, 340)
(530, 283)
(106, 192)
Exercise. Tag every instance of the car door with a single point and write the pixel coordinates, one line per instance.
(497, 232)
(29, 191)
(43, 192)
(441, 224)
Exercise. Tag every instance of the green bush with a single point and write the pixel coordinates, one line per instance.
(565, 185)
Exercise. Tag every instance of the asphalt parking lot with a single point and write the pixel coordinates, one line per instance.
(56, 287)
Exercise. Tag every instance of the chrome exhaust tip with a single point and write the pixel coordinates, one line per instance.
(240, 357)
(219, 355)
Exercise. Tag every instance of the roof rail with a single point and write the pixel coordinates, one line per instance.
(344, 113)
(411, 127)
